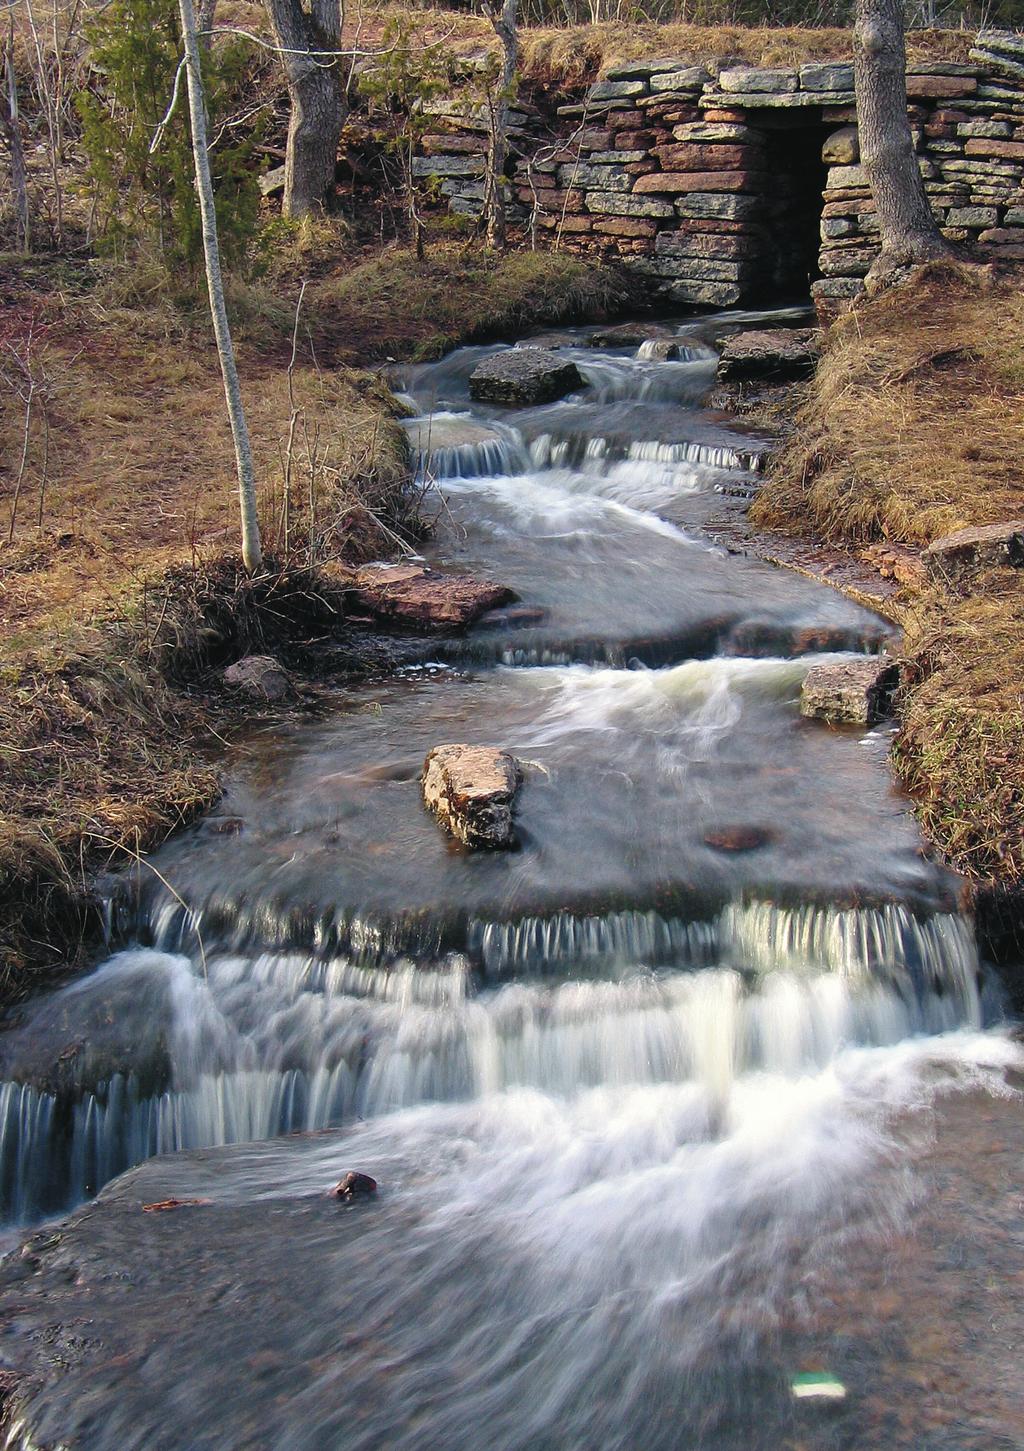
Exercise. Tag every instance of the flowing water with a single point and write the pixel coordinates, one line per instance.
(624, 1088)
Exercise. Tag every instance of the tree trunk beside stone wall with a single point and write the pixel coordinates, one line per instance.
(908, 230)
(505, 25)
(306, 39)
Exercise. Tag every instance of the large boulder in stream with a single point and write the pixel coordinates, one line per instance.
(524, 376)
(854, 692)
(413, 596)
(775, 353)
(471, 791)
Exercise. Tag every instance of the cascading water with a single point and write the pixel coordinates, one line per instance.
(626, 1089)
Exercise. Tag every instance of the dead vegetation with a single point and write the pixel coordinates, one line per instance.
(913, 428)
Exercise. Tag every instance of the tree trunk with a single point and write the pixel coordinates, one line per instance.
(909, 232)
(307, 41)
(205, 17)
(252, 554)
(505, 27)
(10, 126)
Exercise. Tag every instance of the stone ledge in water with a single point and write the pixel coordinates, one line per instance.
(259, 676)
(770, 353)
(956, 557)
(471, 791)
(414, 596)
(522, 376)
(852, 691)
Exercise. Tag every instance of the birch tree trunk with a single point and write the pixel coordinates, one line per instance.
(505, 27)
(252, 554)
(206, 15)
(10, 127)
(316, 96)
(909, 231)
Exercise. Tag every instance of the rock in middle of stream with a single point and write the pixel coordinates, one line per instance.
(522, 376)
(471, 790)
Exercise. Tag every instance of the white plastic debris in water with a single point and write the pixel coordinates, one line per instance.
(818, 1385)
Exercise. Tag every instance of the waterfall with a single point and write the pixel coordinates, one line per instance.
(284, 1042)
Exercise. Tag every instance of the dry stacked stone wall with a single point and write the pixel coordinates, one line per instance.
(736, 184)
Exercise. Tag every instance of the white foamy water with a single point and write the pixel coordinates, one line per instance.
(258, 1046)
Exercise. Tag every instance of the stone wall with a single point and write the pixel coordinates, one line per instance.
(733, 184)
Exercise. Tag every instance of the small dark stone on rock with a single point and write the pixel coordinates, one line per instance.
(354, 1186)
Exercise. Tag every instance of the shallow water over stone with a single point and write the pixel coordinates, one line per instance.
(631, 1091)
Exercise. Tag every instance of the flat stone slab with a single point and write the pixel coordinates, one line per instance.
(630, 335)
(259, 676)
(956, 557)
(851, 691)
(471, 791)
(770, 353)
(416, 597)
(524, 376)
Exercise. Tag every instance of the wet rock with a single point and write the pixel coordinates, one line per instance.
(259, 676)
(416, 597)
(630, 335)
(549, 342)
(471, 791)
(354, 1185)
(512, 617)
(853, 691)
(955, 558)
(523, 376)
(770, 353)
(659, 350)
(738, 838)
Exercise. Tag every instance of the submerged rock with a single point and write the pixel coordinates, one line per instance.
(522, 376)
(738, 838)
(956, 557)
(853, 691)
(770, 353)
(260, 676)
(412, 595)
(354, 1185)
(471, 791)
(658, 350)
(630, 335)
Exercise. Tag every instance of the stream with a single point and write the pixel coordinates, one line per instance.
(630, 1093)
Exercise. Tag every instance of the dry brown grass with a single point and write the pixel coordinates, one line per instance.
(912, 428)
(914, 425)
(394, 306)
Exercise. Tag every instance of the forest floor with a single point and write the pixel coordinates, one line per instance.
(913, 428)
(119, 582)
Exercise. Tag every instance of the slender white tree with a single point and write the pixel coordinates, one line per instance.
(505, 24)
(252, 553)
(907, 225)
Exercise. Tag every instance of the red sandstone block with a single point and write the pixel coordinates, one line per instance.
(983, 146)
(940, 133)
(625, 227)
(631, 140)
(945, 117)
(938, 86)
(681, 182)
(447, 145)
(640, 168)
(625, 121)
(694, 157)
(570, 223)
(698, 226)
(740, 117)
